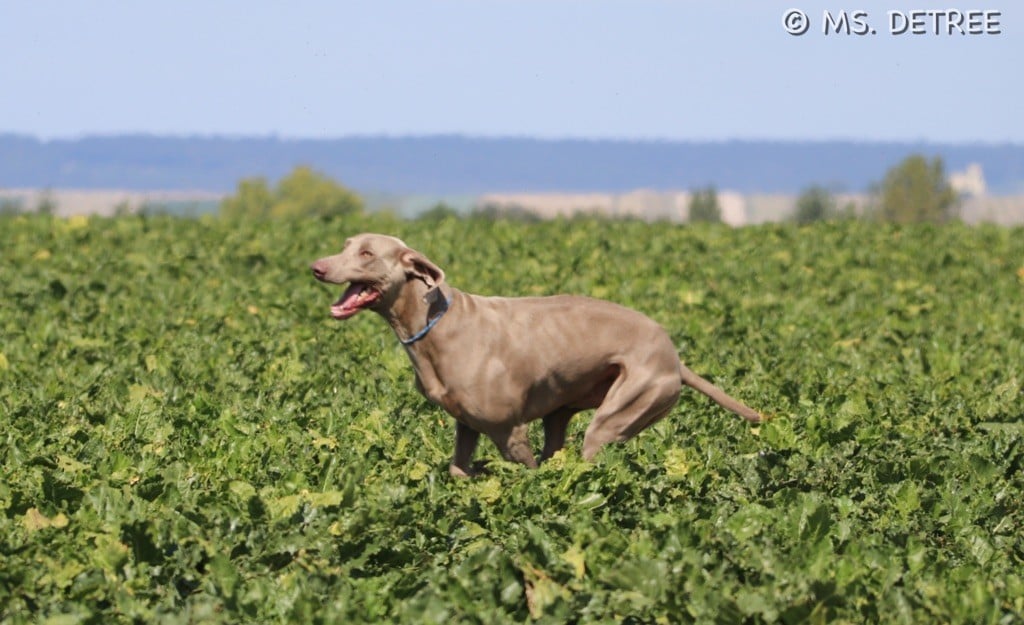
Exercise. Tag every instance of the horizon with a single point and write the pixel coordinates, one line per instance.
(456, 164)
(488, 137)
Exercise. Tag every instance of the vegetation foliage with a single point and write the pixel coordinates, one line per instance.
(187, 437)
(916, 191)
(815, 203)
(302, 193)
(704, 206)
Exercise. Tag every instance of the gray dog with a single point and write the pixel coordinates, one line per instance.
(498, 363)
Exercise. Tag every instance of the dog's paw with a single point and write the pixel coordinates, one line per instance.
(460, 472)
(479, 468)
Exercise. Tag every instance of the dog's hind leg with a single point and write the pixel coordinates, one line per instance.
(628, 409)
(514, 445)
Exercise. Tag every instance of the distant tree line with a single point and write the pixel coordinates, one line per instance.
(913, 191)
(45, 205)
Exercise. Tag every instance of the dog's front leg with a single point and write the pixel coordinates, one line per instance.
(465, 444)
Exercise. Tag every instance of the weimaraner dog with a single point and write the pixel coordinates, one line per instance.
(498, 363)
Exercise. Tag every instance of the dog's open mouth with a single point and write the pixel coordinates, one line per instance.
(357, 296)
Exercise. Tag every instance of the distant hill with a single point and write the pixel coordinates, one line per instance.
(469, 165)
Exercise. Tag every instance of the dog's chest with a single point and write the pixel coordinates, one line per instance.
(429, 384)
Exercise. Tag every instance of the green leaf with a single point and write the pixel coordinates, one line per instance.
(577, 560)
(676, 464)
(34, 520)
(418, 471)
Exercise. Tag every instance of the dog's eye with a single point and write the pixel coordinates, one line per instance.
(366, 254)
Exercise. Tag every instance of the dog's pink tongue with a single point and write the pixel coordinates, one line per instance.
(346, 306)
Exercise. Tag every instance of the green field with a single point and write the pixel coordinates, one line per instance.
(187, 437)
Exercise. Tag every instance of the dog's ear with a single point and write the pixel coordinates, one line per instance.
(420, 267)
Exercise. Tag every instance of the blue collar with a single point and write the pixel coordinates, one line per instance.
(430, 324)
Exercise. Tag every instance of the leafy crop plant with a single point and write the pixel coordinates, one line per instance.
(185, 437)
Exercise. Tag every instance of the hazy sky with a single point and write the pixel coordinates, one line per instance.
(635, 69)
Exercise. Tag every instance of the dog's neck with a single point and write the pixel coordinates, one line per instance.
(408, 316)
(415, 306)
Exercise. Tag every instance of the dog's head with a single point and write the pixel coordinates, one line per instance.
(376, 268)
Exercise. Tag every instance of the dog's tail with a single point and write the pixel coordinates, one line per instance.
(720, 397)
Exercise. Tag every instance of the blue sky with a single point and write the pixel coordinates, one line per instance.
(635, 69)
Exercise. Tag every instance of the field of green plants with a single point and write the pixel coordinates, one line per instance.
(187, 437)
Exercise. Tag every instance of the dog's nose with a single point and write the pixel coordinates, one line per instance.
(319, 270)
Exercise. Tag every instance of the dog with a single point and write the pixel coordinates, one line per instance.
(496, 364)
